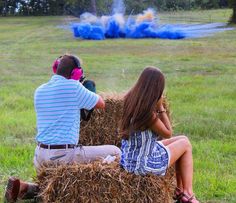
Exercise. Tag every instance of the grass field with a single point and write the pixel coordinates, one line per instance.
(200, 73)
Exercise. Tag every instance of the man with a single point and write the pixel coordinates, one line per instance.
(58, 106)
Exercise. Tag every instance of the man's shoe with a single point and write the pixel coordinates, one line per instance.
(12, 190)
(31, 192)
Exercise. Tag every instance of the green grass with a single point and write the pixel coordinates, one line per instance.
(214, 15)
(200, 74)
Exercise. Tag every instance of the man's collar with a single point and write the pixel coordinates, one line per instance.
(58, 77)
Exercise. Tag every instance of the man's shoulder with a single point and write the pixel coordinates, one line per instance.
(59, 85)
(42, 86)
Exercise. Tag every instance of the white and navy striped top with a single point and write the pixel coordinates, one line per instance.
(57, 105)
(142, 153)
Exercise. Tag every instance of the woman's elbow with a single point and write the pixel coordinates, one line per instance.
(167, 134)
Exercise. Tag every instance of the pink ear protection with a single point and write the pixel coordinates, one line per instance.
(76, 74)
(55, 65)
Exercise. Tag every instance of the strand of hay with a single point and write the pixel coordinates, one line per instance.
(102, 183)
(103, 127)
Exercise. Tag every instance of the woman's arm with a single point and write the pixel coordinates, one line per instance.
(162, 125)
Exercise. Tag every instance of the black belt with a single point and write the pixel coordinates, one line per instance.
(62, 146)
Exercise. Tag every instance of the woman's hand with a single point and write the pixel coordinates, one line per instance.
(160, 104)
(162, 125)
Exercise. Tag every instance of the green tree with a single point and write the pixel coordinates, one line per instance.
(232, 4)
(2, 6)
(56, 7)
(102, 7)
(8, 7)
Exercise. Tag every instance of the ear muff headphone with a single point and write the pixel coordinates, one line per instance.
(77, 72)
(55, 65)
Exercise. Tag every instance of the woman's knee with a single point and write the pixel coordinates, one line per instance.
(186, 141)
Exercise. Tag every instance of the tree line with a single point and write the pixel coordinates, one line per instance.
(100, 7)
(232, 4)
(104, 7)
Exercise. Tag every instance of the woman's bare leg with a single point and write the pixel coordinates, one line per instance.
(178, 176)
(181, 154)
(166, 142)
(173, 139)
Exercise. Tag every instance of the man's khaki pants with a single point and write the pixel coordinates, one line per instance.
(80, 154)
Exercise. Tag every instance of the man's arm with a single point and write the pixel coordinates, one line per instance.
(86, 114)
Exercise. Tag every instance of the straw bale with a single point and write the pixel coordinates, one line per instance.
(103, 183)
(103, 127)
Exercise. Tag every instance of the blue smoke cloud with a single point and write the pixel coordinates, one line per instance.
(143, 26)
(118, 6)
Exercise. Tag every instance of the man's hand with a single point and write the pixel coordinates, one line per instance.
(100, 104)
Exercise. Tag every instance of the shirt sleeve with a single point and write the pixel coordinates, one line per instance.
(86, 99)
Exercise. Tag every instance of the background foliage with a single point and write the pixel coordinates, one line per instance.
(76, 7)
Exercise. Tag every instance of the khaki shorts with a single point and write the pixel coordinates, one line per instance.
(80, 154)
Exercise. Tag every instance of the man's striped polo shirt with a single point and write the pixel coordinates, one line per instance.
(57, 105)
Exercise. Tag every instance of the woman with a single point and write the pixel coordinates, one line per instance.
(144, 121)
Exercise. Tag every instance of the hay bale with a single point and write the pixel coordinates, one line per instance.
(103, 127)
(101, 183)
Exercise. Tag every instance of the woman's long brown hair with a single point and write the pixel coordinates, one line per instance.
(140, 102)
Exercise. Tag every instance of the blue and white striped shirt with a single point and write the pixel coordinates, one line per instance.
(57, 105)
(142, 153)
